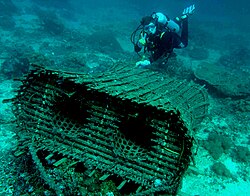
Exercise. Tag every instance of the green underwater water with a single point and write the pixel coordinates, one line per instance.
(91, 37)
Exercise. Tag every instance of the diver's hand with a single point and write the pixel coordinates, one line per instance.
(143, 63)
(188, 11)
(142, 40)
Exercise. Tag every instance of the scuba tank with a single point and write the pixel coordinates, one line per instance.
(166, 22)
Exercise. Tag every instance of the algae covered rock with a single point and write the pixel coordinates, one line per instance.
(225, 80)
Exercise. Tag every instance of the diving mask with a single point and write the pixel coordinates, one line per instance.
(150, 28)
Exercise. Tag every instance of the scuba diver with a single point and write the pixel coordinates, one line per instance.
(159, 35)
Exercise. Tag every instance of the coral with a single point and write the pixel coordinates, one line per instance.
(217, 144)
(241, 154)
(75, 59)
(20, 59)
(241, 105)
(7, 8)
(60, 4)
(7, 22)
(236, 58)
(223, 80)
(15, 67)
(51, 22)
(108, 187)
(105, 42)
(198, 53)
(221, 170)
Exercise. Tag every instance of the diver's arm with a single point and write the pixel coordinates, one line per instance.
(141, 42)
(137, 47)
(182, 21)
(184, 33)
(185, 14)
(181, 41)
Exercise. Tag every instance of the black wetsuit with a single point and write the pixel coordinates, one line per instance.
(163, 42)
